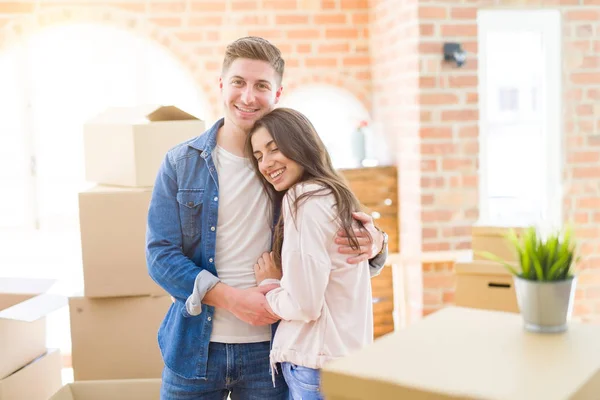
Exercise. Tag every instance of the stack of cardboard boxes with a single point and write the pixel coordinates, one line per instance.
(28, 370)
(114, 325)
(487, 284)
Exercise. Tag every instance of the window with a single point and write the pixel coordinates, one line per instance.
(520, 126)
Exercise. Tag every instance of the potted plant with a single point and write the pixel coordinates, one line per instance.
(544, 283)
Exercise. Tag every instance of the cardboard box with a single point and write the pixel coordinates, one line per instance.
(493, 239)
(36, 381)
(23, 310)
(125, 146)
(486, 285)
(116, 338)
(463, 353)
(132, 389)
(113, 242)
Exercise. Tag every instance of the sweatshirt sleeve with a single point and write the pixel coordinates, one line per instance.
(377, 263)
(306, 263)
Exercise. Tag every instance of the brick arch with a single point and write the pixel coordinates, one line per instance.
(346, 83)
(22, 27)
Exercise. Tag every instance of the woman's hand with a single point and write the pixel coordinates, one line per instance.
(265, 268)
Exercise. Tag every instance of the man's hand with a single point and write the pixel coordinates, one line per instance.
(250, 305)
(369, 247)
(265, 268)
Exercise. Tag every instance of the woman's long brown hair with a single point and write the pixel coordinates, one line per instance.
(297, 139)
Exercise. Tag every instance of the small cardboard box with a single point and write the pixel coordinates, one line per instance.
(113, 240)
(23, 310)
(116, 338)
(125, 146)
(38, 380)
(493, 239)
(463, 353)
(486, 285)
(131, 389)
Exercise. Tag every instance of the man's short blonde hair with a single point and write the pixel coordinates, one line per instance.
(254, 48)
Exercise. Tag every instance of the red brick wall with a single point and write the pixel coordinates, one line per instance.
(439, 284)
(394, 47)
(448, 129)
(581, 114)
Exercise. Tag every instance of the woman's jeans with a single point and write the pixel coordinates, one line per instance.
(302, 382)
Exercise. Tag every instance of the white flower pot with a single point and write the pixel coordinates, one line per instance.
(545, 306)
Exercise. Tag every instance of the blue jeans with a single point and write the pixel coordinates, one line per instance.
(303, 382)
(239, 370)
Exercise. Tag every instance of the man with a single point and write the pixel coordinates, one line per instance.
(209, 221)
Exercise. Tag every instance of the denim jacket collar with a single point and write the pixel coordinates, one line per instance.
(206, 143)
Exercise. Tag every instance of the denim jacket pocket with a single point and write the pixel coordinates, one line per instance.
(190, 210)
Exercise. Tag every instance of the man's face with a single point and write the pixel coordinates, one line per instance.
(250, 90)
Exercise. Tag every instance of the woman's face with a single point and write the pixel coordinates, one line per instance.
(278, 170)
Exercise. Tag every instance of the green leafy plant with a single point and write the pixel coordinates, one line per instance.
(540, 259)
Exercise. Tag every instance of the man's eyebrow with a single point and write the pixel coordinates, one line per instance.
(259, 81)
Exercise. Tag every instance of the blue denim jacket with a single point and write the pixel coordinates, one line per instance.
(180, 243)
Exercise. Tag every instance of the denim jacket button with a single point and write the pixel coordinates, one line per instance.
(190, 203)
(209, 319)
(210, 260)
(216, 198)
(212, 228)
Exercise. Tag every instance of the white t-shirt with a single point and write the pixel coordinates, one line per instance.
(243, 235)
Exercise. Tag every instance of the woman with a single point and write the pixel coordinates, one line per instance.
(324, 303)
